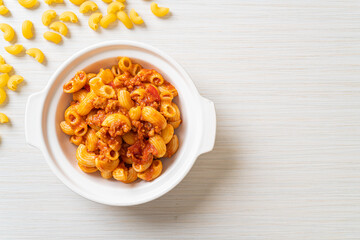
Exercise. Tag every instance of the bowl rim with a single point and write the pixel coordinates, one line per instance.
(48, 153)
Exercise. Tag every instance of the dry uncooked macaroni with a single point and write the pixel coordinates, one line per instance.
(28, 3)
(107, 20)
(88, 6)
(53, 1)
(3, 118)
(68, 16)
(27, 29)
(159, 11)
(3, 10)
(59, 27)
(135, 18)
(52, 37)
(36, 53)
(14, 49)
(94, 21)
(47, 17)
(124, 18)
(121, 119)
(14, 81)
(8, 31)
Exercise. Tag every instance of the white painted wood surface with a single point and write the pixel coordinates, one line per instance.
(285, 78)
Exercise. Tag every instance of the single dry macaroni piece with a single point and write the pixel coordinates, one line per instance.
(116, 121)
(48, 16)
(8, 31)
(27, 29)
(53, 1)
(59, 27)
(159, 11)
(52, 37)
(124, 18)
(2, 60)
(94, 20)
(4, 79)
(3, 10)
(14, 81)
(36, 53)
(135, 18)
(107, 20)
(5, 68)
(107, 1)
(88, 6)
(3, 118)
(114, 7)
(77, 2)
(14, 49)
(28, 3)
(2, 95)
(68, 16)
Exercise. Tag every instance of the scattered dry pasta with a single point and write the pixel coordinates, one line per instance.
(36, 53)
(124, 18)
(77, 2)
(94, 21)
(3, 10)
(14, 49)
(88, 6)
(2, 95)
(3, 118)
(4, 79)
(5, 68)
(49, 2)
(159, 11)
(107, 20)
(68, 16)
(47, 17)
(14, 81)
(28, 3)
(27, 29)
(8, 31)
(135, 18)
(114, 7)
(52, 37)
(117, 123)
(59, 27)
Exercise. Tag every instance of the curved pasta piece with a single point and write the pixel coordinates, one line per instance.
(172, 146)
(141, 167)
(124, 18)
(129, 138)
(53, 37)
(125, 64)
(124, 174)
(28, 3)
(66, 128)
(87, 169)
(59, 27)
(68, 16)
(177, 116)
(125, 99)
(107, 165)
(114, 7)
(94, 20)
(2, 95)
(135, 18)
(84, 157)
(76, 83)
(76, 140)
(107, 20)
(91, 140)
(158, 142)
(14, 49)
(8, 31)
(77, 2)
(14, 81)
(36, 53)
(151, 115)
(116, 118)
(3, 118)
(106, 175)
(5, 68)
(3, 10)
(4, 78)
(88, 6)
(167, 133)
(175, 124)
(2, 60)
(27, 29)
(135, 113)
(152, 172)
(49, 2)
(107, 1)
(106, 76)
(47, 17)
(159, 11)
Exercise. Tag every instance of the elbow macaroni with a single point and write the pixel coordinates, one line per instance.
(5, 68)
(94, 20)
(3, 10)
(8, 31)
(2, 95)
(68, 16)
(53, 1)
(114, 7)
(14, 49)
(124, 18)
(135, 18)
(88, 6)
(52, 37)
(47, 17)
(36, 53)
(28, 3)
(59, 27)
(14, 81)
(159, 11)
(27, 29)
(3, 118)
(4, 78)
(116, 121)
(77, 2)
(107, 20)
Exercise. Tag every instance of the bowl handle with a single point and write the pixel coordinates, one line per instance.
(33, 121)
(209, 125)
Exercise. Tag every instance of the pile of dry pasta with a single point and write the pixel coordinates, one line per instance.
(116, 10)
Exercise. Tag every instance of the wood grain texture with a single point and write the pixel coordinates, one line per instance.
(285, 79)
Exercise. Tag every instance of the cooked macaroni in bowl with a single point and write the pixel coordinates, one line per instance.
(122, 119)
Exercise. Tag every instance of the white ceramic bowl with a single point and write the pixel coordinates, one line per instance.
(45, 110)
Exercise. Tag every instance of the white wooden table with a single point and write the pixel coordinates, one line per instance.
(285, 78)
